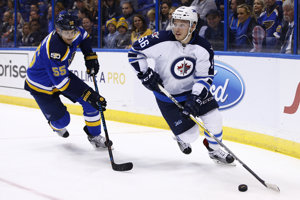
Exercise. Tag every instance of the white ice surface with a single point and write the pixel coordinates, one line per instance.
(37, 164)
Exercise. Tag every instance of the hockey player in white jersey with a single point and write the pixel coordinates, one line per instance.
(184, 67)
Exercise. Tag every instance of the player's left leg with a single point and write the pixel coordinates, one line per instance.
(93, 125)
(185, 130)
(54, 111)
(213, 122)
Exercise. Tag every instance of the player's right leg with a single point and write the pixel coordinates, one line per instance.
(55, 112)
(213, 122)
(185, 130)
(93, 126)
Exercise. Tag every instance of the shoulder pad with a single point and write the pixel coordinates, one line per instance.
(153, 39)
(83, 33)
(57, 47)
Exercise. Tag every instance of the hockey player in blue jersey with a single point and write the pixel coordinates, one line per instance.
(184, 66)
(48, 77)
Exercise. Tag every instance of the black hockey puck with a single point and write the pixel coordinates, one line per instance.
(243, 187)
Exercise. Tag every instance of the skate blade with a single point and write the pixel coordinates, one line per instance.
(102, 148)
(224, 164)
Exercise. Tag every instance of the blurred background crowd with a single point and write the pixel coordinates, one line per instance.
(252, 25)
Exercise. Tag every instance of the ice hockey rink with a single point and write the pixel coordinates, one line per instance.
(36, 164)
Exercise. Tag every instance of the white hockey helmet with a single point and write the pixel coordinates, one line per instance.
(185, 13)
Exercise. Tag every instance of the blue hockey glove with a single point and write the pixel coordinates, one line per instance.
(91, 63)
(150, 79)
(95, 99)
(192, 105)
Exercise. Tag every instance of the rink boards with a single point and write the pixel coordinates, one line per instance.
(259, 96)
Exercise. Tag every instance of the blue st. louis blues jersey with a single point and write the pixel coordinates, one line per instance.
(48, 71)
(270, 20)
(181, 68)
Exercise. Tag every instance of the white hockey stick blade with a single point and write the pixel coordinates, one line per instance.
(272, 187)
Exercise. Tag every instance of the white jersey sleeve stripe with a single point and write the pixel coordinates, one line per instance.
(62, 83)
(39, 85)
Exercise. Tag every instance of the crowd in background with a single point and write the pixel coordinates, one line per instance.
(254, 25)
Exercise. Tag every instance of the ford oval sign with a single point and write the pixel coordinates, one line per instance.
(228, 87)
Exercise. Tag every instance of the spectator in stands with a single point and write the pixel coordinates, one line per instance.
(214, 30)
(10, 6)
(40, 7)
(203, 6)
(258, 7)
(220, 6)
(233, 18)
(34, 7)
(249, 35)
(111, 9)
(123, 39)
(134, 3)
(172, 9)
(270, 19)
(82, 13)
(78, 4)
(94, 12)
(128, 13)
(7, 38)
(88, 25)
(286, 39)
(151, 19)
(3, 7)
(58, 8)
(139, 28)
(26, 34)
(5, 22)
(110, 38)
(20, 21)
(37, 35)
(164, 14)
(67, 4)
(43, 23)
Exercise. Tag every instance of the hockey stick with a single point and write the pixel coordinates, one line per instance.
(267, 185)
(117, 167)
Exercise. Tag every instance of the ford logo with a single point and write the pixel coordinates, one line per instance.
(228, 87)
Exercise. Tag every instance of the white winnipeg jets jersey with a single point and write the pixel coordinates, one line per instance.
(181, 68)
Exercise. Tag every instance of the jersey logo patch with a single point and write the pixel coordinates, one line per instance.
(268, 24)
(183, 67)
(155, 35)
(55, 56)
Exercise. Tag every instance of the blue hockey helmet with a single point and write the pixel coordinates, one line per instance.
(66, 21)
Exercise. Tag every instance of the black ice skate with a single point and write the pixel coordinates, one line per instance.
(218, 155)
(184, 147)
(99, 142)
(62, 132)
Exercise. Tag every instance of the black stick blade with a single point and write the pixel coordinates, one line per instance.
(122, 167)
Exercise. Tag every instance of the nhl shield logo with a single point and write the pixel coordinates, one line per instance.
(183, 67)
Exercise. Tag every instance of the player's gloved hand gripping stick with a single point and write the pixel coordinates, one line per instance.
(150, 79)
(267, 185)
(117, 167)
(91, 63)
